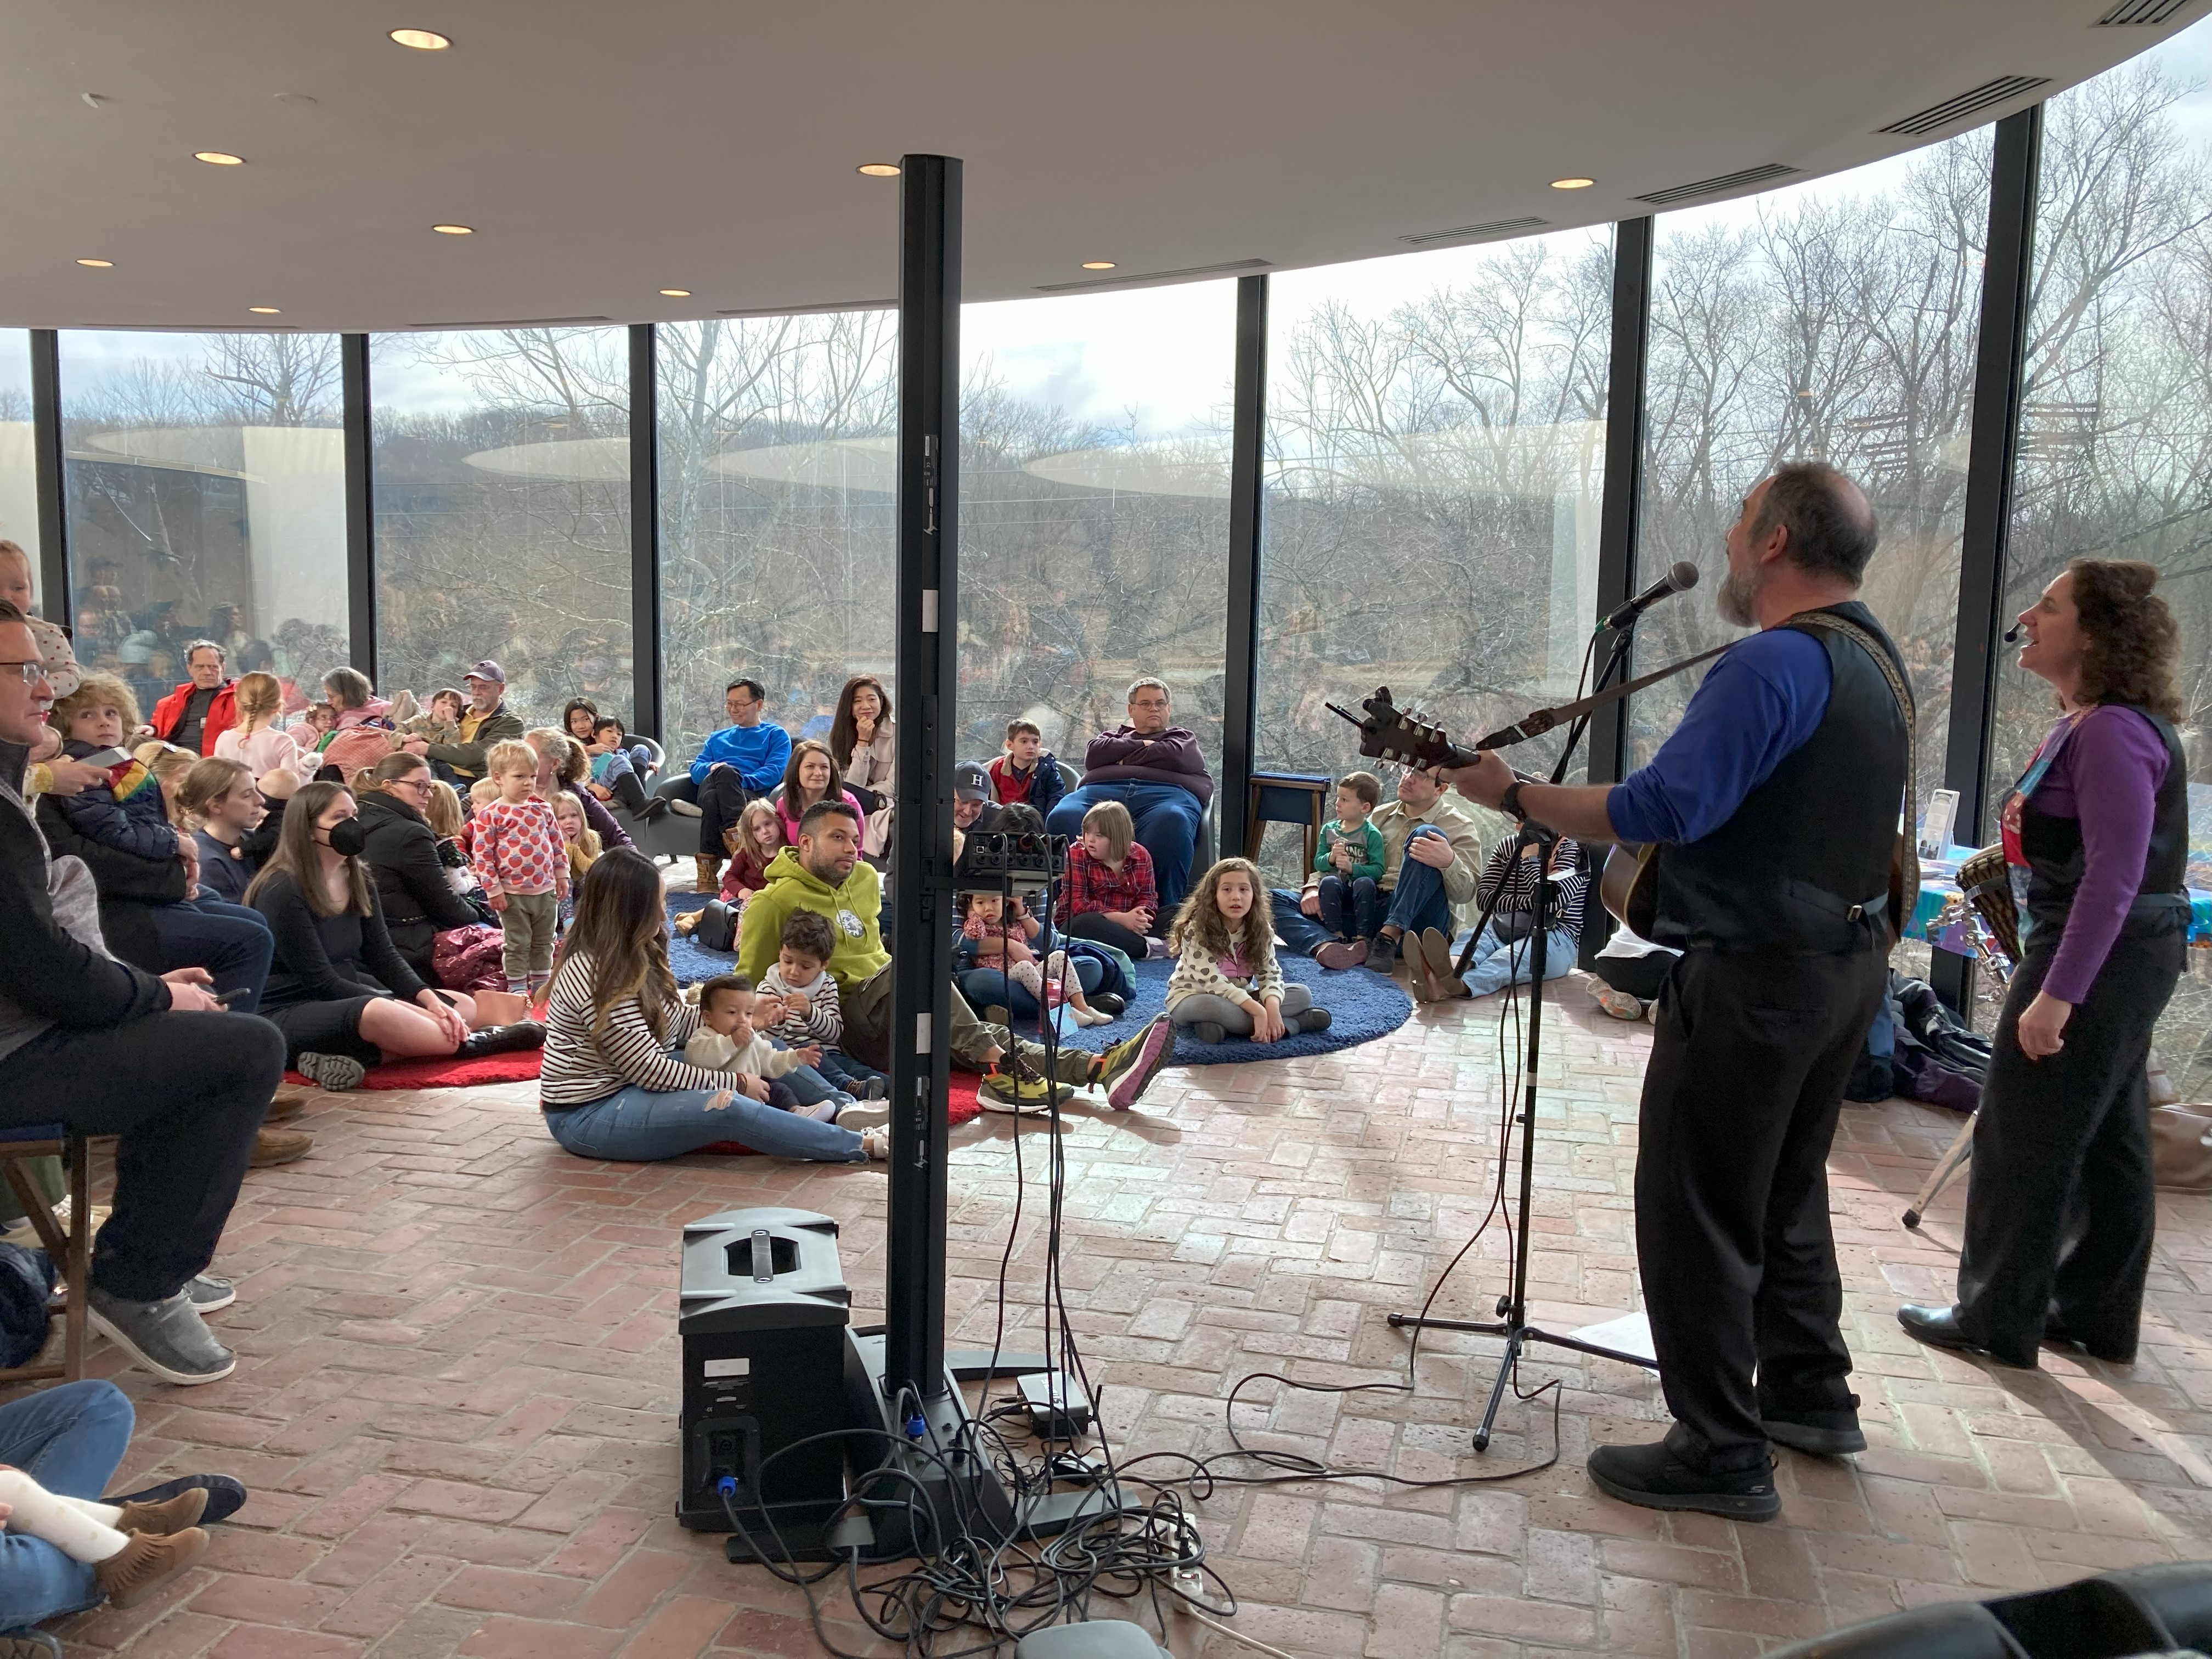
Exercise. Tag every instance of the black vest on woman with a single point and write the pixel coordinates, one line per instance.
(2052, 847)
(1804, 866)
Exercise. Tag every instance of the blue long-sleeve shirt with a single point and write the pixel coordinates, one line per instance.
(1761, 700)
(758, 752)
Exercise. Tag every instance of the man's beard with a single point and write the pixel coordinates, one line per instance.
(1737, 597)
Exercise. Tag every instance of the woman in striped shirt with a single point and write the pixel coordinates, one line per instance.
(1502, 953)
(612, 1088)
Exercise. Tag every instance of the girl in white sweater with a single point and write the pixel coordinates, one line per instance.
(1226, 982)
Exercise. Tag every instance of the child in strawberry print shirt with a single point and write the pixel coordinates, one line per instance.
(516, 848)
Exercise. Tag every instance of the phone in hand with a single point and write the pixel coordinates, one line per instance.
(106, 758)
(225, 998)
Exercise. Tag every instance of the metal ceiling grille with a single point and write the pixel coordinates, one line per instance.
(1224, 269)
(2140, 11)
(1953, 110)
(1463, 233)
(520, 322)
(1727, 181)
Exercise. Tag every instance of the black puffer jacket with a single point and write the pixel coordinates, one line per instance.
(402, 853)
(129, 886)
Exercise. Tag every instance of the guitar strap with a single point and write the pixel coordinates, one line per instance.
(1535, 725)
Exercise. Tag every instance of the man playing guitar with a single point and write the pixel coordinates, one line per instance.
(1774, 807)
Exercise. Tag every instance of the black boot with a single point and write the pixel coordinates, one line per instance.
(501, 1040)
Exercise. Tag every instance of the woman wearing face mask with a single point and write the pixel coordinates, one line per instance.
(2060, 1218)
(345, 999)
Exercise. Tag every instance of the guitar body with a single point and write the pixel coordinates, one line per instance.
(1629, 886)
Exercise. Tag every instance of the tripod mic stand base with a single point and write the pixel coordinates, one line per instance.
(1517, 1336)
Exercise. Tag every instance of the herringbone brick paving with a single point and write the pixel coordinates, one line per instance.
(455, 1403)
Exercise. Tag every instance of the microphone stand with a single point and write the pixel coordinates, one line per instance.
(1512, 1320)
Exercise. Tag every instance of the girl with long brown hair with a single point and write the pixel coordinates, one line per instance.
(2060, 1219)
(1227, 981)
(612, 1088)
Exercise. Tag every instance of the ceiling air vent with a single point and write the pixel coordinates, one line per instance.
(1954, 111)
(1465, 232)
(1226, 268)
(835, 306)
(519, 322)
(1727, 181)
(2140, 11)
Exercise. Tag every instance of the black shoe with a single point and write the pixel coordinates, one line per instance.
(2054, 1330)
(1107, 1003)
(225, 1497)
(876, 1088)
(1382, 953)
(655, 806)
(1938, 1328)
(1653, 1478)
(1313, 1019)
(501, 1040)
(1822, 1433)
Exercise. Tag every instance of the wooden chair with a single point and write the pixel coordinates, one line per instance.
(71, 1250)
(1301, 798)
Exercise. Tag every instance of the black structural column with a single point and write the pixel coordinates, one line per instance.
(1620, 516)
(1240, 687)
(360, 511)
(644, 533)
(2000, 363)
(56, 602)
(921, 838)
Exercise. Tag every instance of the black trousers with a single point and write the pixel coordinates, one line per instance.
(1640, 976)
(721, 798)
(1732, 1239)
(1093, 925)
(2063, 1206)
(185, 1092)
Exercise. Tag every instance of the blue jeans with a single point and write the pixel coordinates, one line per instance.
(1357, 894)
(68, 1438)
(1166, 817)
(842, 1071)
(233, 943)
(1496, 965)
(985, 988)
(643, 1126)
(1418, 901)
(811, 1087)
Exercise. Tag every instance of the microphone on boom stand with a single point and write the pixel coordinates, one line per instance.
(1680, 579)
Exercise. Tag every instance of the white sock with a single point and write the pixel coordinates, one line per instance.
(37, 1513)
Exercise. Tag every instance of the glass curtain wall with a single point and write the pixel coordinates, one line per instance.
(778, 497)
(501, 493)
(1834, 321)
(18, 478)
(2116, 423)
(205, 493)
(1094, 512)
(1435, 463)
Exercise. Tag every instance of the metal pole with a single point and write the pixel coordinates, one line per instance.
(50, 468)
(645, 533)
(360, 509)
(1240, 692)
(927, 681)
(1621, 515)
(2008, 272)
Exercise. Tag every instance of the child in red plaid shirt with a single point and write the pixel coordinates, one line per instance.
(516, 848)
(1109, 895)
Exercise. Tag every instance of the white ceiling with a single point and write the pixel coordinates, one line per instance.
(605, 151)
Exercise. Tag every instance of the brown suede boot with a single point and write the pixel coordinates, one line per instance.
(147, 1563)
(710, 873)
(286, 1103)
(275, 1146)
(159, 1520)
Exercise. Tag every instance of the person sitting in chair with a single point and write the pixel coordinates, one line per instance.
(1156, 770)
(745, 758)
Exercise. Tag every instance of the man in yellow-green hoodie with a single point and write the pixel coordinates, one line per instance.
(825, 873)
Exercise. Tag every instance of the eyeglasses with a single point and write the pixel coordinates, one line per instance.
(421, 783)
(30, 672)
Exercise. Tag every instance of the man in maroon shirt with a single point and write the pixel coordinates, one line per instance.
(1156, 770)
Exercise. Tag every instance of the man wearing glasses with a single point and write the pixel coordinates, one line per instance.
(105, 1048)
(1154, 769)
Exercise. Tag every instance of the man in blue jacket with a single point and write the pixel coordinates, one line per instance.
(745, 758)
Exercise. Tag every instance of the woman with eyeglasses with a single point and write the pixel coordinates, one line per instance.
(401, 850)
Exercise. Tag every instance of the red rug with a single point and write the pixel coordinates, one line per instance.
(443, 1071)
(960, 1106)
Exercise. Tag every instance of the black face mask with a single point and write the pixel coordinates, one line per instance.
(347, 838)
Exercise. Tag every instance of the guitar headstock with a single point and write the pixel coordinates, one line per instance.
(1405, 735)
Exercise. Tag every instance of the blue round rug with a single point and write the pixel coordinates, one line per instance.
(1361, 1005)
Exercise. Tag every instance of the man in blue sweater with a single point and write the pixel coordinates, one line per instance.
(745, 758)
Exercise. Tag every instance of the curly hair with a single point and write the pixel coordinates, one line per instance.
(1200, 922)
(2132, 639)
(98, 690)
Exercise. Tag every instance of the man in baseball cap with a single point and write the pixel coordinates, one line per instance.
(971, 790)
(484, 723)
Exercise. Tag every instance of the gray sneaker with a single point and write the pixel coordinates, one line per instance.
(28, 1643)
(167, 1338)
(209, 1292)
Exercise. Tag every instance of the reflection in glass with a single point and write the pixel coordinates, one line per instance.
(18, 478)
(206, 500)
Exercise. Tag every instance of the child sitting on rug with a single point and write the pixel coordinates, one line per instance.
(753, 843)
(1027, 772)
(133, 1549)
(1227, 981)
(798, 1001)
(582, 842)
(442, 812)
(726, 1041)
(993, 957)
(1349, 865)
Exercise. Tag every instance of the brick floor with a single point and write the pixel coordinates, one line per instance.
(455, 1402)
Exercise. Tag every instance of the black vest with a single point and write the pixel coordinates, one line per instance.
(2052, 847)
(1813, 843)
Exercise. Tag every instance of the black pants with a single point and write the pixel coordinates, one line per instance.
(721, 798)
(1640, 976)
(625, 788)
(1093, 925)
(1732, 1240)
(185, 1092)
(2060, 1215)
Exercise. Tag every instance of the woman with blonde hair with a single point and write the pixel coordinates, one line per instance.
(563, 764)
(258, 739)
(2060, 1218)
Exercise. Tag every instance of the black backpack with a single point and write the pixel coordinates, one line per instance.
(718, 927)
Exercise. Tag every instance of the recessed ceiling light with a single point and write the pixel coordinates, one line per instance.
(99, 265)
(421, 39)
(454, 230)
(1098, 265)
(264, 310)
(678, 293)
(218, 158)
(1572, 184)
(880, 169)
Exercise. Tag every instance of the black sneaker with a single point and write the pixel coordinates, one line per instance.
(1653, 1478)
(1821, 1433)
(334, 1072)
(1382, 953)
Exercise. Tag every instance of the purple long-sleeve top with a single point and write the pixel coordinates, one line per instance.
(2108, 774)
(1123, 756)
